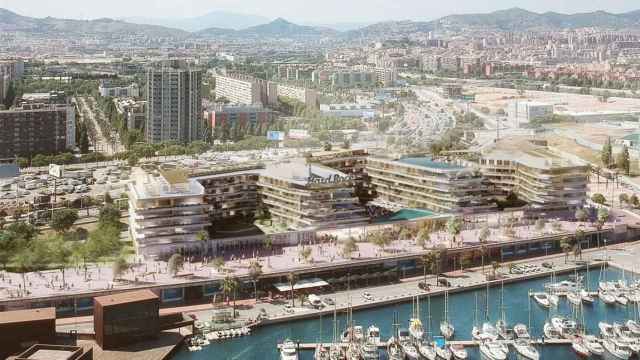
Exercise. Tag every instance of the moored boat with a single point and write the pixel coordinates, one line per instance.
(289, 350)
(525, 350)
(520, 331)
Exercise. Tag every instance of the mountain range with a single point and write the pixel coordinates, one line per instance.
(249, 26)
(218, 19)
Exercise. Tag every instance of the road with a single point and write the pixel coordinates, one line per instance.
(103, 143)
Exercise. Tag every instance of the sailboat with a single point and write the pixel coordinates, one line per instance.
(415, 325)
(526, 350)
(521, 331)
(336, 351)
(446, 328)
(424, 346)
(501, 324)
(289, 350)
(321, 352)
(394, 350)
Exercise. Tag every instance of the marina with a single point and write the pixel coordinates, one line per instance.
(514, 305)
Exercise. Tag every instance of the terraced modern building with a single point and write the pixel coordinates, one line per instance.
(536, 174)
(166, 211)
(423, 183)
(305, 195)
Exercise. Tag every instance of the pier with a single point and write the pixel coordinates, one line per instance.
(464, 343)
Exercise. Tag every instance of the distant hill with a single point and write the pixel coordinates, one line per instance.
(278, 28)
(514, 19)
(523, 20)
(214, 19)
(10, 21)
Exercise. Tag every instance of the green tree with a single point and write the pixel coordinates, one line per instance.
(203, 238)
(255, 272)
(349, 247)
(484, 235)
(454, 227)
(606, 154)
(62, 220)
(218, 263)
(24, 262)
(229, 288)
(132, 160)
(119, 267)
(623, 198)
(293, 279)
(60, 254)
(175, 264)
(109, 215)
(598, 199)
(581, 215)
(603, 215)
(305, 253)
(566, 248)
(633, 200)
(622, 162)
(380, 239)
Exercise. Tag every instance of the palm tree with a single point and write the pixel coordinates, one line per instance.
(454, 227)
(428, 262)
(566, 248)
(218, 263)
(255, 271)
(380, 239)
(176, 261)
(292, 278)
(268, 245)
(119, 267)
(495, 266)
(203, 238)
(483, 253)
(229, 285)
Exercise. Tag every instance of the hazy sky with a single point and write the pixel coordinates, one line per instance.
(301, 10)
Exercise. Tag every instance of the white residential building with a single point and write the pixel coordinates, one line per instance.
(166, 212)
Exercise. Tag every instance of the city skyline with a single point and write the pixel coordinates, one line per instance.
(326, 12)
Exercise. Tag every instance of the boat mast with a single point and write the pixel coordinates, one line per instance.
(429, 316)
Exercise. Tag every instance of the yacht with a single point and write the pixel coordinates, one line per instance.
(550, 332)
(358, 333)
(578, 345)
(406, 342)
(586, 297)
(321, 353)
(447, 330)
(443, 352)
(554, 299)
(623, 332)
(607, 297)
(520, 331)
(370, 351)
(427, 350)
(542, 299)
(621, 299)
(289, 350)
(634, 327)
(373, 335)
(353, 351)
(502, 330)
(574, 298)
(606, 330)
(613, 352)
(459, 352)
(336, 352)
(491, 350)
(525, 350)
(416, 329)
(567, 328)
(394, 350)
(593, 345)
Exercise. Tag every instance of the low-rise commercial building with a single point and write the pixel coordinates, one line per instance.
(126, 318)
(166, 211)
(107, 89)
(524, 112)
(427, 184)
(20, 329)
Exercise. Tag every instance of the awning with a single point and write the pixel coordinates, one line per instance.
(302, 284)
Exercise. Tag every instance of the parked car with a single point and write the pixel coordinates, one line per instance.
(444, 282)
